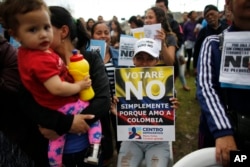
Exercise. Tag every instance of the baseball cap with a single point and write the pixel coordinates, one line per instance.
(147, 45)
(210, 7)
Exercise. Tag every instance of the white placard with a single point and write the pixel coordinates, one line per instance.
(234, 72)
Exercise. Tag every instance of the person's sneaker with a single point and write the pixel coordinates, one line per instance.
(92, 155)
(182, 60)
(186, 88)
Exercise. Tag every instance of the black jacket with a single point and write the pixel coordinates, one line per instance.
(205, 32)
(14, 125)
(9, 83)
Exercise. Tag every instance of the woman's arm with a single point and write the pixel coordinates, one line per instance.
(168, 54)
(51, 119)
(43, 116)
(168, 48)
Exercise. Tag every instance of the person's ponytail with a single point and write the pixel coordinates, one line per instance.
(83, 38)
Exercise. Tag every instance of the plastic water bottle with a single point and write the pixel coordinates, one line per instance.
(79, 68)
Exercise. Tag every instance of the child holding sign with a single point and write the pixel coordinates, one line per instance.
(146, 54)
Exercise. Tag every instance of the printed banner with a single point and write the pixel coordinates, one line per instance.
(144, 111)
(234, 72)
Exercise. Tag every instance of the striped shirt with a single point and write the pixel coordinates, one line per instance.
(111, 75)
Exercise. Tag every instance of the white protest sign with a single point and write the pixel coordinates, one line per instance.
(235, 56)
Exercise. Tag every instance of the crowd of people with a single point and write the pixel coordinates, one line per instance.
(45, 123)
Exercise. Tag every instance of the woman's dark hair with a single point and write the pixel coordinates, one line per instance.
(190, 14)
(138, 22)
(60, 17)
(118, 25)
(132, 19)
(161, 18)
(87, 24)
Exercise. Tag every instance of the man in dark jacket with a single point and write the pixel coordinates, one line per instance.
(214, 27)
(225, 109)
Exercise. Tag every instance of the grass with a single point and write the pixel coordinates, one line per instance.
(187, 120)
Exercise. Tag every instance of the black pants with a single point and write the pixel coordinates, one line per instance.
(11, 155)
(114, 125)
(206, 139)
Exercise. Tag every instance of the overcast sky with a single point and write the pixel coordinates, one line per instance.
(127, 8)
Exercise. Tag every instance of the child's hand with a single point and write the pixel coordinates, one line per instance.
(175, 102)
(85, 83)
(113, 108)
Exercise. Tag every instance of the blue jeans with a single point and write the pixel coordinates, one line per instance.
(131, 153)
